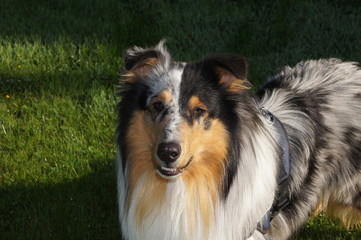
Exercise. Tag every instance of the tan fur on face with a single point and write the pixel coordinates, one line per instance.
(142, 143)
(208, 148)
(166, 96)
(140, 139)
(194, 102)
(204, 175)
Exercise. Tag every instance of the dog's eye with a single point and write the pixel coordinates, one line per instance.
(158, 106)
(198, 111)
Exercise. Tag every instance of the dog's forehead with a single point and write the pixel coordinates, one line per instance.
(181, 81)
(166, 79)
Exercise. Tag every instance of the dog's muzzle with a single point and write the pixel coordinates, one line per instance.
(168, 153)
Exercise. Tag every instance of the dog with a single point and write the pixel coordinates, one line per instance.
(202, 156)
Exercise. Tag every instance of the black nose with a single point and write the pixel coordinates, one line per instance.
(169, 152)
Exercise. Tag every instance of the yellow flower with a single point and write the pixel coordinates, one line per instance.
(19, 66)
(7, 96)
(18, 54)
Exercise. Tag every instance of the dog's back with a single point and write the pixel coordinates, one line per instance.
(319, 103)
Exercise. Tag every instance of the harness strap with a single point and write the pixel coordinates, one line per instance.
(282, 197)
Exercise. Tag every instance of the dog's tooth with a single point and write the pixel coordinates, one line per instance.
(172, 170)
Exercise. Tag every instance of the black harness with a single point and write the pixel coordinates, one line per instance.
(282, 197)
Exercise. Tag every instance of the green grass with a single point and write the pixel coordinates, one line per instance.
(60, 62)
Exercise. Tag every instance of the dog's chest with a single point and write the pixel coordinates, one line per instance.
(177, 214)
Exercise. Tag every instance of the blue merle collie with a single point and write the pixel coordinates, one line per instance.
(202, 157)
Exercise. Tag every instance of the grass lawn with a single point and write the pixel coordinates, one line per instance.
(60, 63)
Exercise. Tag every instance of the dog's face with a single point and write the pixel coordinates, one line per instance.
(179, 115)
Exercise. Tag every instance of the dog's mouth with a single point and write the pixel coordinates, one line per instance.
(171, 173)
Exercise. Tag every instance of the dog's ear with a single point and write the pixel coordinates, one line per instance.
(139, 61)
(135, 57)
(231, 71)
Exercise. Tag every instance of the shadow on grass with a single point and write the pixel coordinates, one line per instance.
(85, 208)
(270, 33)
(86, 39)
(124, 22)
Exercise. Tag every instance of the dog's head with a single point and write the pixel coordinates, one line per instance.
(176, 119)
